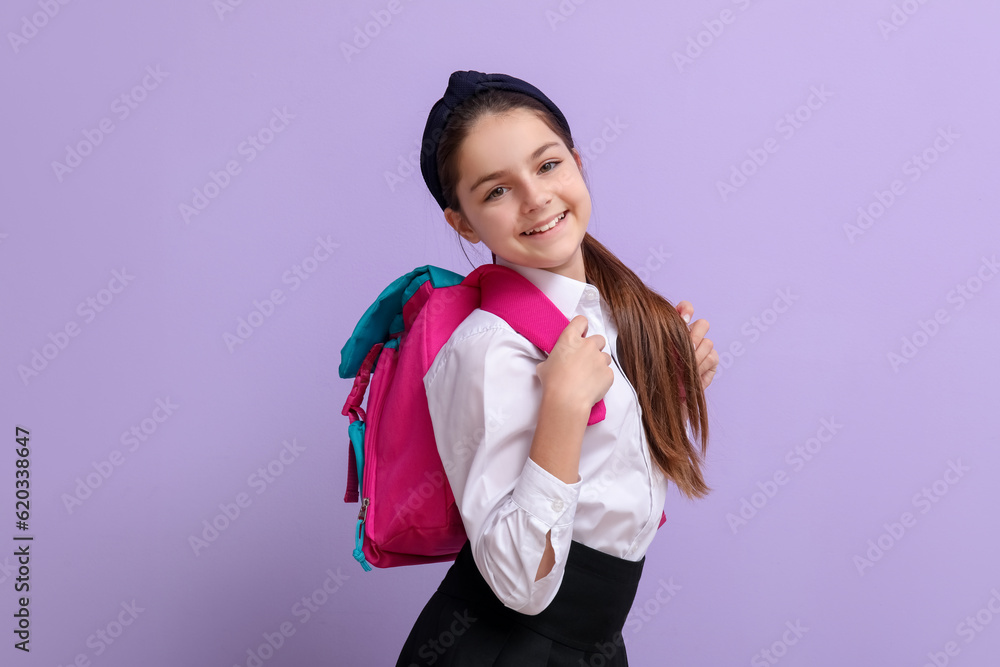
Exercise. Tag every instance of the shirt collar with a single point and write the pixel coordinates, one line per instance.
(564, 292)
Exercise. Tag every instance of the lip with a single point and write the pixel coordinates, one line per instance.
(559, 225)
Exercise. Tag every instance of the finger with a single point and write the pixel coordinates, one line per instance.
(698, 330)
(704, 349)
(705, 354)
(707, 377)
(580, 323)
(685, 308)
(707, 367)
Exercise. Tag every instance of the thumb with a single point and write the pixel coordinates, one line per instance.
(576, 329)
(578, 325)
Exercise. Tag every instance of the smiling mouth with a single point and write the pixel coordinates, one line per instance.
(546, 227)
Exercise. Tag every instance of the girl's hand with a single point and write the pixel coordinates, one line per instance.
(577, 373)
(708, 358)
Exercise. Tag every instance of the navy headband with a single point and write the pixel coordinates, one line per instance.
(461, 86)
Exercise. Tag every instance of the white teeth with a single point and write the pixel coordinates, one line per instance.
(545, 228)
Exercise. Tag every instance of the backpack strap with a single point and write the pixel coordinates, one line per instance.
(356, 428)
(504, 292)
(515, 299)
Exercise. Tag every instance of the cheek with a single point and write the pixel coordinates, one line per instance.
(494, 223)
(581, 195)
(574, 183)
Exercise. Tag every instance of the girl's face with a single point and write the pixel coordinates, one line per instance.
(516, 175)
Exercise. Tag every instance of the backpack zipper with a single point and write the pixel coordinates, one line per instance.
(359, 532)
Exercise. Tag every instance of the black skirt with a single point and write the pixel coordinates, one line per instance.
(464, 624)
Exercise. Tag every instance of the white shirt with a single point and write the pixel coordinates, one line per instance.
(484, 400)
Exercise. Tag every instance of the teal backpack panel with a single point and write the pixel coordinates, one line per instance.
(385, 316)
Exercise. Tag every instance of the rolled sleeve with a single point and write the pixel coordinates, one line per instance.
(545, 496)
(548, 505)
(484, 398)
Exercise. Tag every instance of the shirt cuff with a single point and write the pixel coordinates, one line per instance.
(545, 496)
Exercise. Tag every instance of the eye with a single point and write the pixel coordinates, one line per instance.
(490, 196)
(542, 169)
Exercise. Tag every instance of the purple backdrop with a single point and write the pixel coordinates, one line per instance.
(201, 198)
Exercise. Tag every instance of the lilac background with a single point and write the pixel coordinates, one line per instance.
(682, 129)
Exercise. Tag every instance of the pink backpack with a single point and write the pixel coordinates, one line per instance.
(408, 514)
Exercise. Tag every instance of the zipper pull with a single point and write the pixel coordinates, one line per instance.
(359, 554)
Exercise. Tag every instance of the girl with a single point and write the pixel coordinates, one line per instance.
(559, 514)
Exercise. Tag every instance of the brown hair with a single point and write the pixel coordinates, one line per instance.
(654, 344)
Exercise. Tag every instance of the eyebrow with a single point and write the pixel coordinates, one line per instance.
(497, 174)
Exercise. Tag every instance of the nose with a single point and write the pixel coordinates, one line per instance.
(536, 196)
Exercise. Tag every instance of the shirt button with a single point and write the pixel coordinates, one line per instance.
(557, 506)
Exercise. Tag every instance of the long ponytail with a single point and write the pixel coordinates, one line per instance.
(654, 346)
